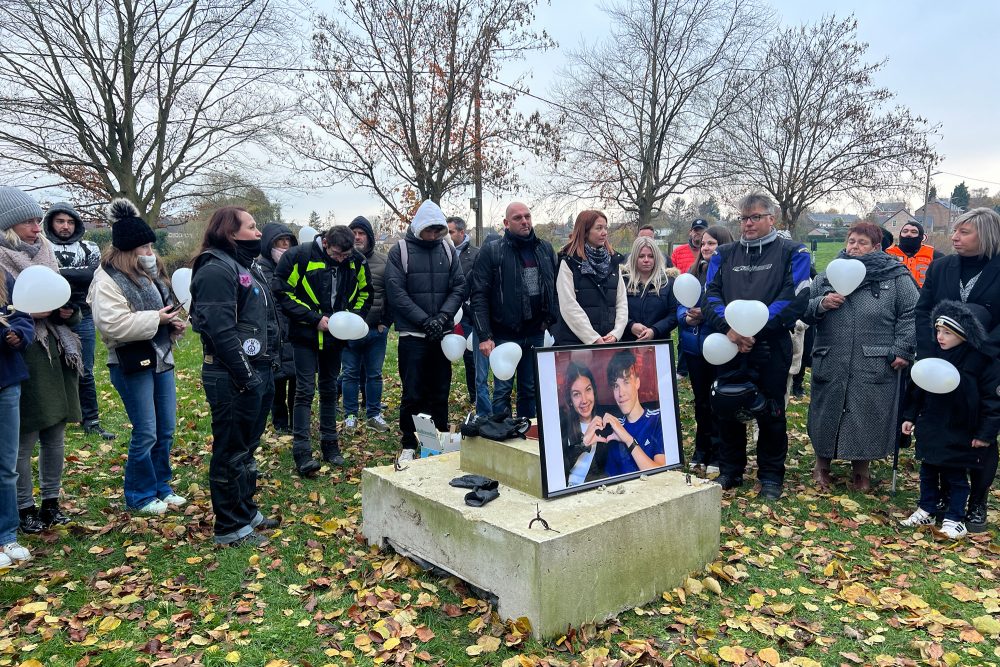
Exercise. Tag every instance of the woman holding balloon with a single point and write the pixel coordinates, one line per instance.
(652, 310)
(593, 303)
(862, 308)
(135, 312)
(693, 331)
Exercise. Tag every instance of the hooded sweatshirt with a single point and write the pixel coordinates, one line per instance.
(379, 314)
(78, 259)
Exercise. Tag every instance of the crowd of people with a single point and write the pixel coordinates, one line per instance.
(262, 305)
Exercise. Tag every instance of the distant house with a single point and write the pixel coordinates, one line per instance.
(885, 210)
(831, 220)
(938, 215)
(897, 220)
(818, 233)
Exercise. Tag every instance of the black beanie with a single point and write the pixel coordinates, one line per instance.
(914, 223)
(128, 230)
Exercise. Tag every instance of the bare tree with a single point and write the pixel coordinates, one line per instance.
(145, 99)
(817, 126)
(638, 108)
(393, 107)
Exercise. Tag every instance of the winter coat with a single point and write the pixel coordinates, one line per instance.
(657, 310)
(309, 285)
(379, 313)
(941, 283)
(500, 305)
(589, 309)
(683, 257)
(51, 393)
(855, 391)
(13, 370)
(272, 232)
(432, 283)
(78, 259)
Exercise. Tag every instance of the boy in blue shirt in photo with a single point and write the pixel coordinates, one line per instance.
(638, 432)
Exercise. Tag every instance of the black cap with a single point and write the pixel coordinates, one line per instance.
(699, 223)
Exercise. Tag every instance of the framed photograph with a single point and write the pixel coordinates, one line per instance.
(606, 413)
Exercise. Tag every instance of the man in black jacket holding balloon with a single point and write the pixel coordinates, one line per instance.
(762, 266)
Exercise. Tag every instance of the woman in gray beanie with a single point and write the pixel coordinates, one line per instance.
(49, 397)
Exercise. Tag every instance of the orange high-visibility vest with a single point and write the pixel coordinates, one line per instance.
(917, 264)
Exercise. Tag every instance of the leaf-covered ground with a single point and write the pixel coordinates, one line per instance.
(811, 579)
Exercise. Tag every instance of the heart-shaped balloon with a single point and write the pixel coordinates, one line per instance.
(39, 289)
(845, 274)
(687, 290)
(347, 326)
(180, 282)
(747, 318)
(453, 347)
(718, 349)
(504, 359)
(935, 375)
(306, 235)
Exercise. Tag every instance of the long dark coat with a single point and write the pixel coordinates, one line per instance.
(855, 391)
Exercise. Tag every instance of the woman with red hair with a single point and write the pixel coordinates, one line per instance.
(593, 303)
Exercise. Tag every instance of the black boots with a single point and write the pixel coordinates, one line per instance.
(94, 428)
(975, 518)
(331, 452)
(51, 514)
(30, 523)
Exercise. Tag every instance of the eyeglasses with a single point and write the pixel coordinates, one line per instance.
(756, 217)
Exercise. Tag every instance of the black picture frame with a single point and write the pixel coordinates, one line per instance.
(565, 469)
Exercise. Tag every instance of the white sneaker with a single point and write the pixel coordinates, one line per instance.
(16, 553)
(919, 518)
(351, 422)
(378, 423)
(407, 455)
(157, 507)
(955, 530)
(174, 499)
(5, 561)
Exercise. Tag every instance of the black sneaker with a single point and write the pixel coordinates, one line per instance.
(268, 523)
(94, 428)
(727, 482)
(769, 491)
(30, 523)
(51, 515)
(975, 518)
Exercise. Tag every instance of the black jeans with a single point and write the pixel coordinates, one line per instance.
(284, 401)
(706, 439)
(309, 362)
(982, 476)
(238, 420)
(426, 376)
(770, 360)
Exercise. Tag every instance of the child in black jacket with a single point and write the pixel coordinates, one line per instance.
(954, 429)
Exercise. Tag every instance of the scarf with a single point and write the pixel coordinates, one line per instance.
(151, 293)
(879, 266)
(597, 262)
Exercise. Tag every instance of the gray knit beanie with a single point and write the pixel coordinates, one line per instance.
(17, 207)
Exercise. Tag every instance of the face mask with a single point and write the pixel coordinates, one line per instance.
(248, 248)
(909, 244)
(147, 262)
(276, 254)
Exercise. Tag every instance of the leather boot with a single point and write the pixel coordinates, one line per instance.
(862, 481)
(30, 524)
(51, 515)
(821, 474)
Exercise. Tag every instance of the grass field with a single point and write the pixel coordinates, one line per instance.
(812, 579)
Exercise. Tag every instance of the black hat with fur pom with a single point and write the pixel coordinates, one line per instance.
(128, 230)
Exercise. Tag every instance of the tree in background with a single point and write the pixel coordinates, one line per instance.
(932, 193)
(392, 109)
(314, 220)
(136, 99)
(817, 126)
(638, 109)
(709, 209)
(960, 196)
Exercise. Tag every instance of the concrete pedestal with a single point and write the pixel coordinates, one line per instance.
(513, 463)
(615, 548)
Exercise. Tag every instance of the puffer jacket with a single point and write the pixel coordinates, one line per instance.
(379, 313)
(431, 284)
(656, 310)
(272, 232)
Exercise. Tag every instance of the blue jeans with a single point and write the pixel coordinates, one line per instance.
(368, 355)
(525, 376)
(88, 388)
(484, 405)
(950, 484)
(10, 417)
(150, 400)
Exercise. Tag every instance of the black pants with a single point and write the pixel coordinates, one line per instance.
(469, 360)
(238, 420)
(310, 362)
(426, 376)
(769, 360)
(706, 439)
(981, 477)
(284, 401)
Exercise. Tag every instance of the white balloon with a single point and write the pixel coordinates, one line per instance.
(39, 289)
(458, 316)
(687, 290)
(747, 318)
(845, 274)
(468, 343)
(307, 234)
(718, 349)
(935, 375)
(347, 326)
(548, 340)
(504, 359)
(181, 284)
(453, 347)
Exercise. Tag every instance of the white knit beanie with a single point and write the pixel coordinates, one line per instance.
(17, 207)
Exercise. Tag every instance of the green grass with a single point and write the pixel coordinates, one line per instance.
(319, 595)
(826, 251)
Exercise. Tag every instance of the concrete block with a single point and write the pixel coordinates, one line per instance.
(514, 463)
(615, 548)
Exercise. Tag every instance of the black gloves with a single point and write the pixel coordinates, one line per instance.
(436, 327)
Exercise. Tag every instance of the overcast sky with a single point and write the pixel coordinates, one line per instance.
(939, 64)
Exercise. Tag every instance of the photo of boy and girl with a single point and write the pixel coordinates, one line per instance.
(609, 414)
